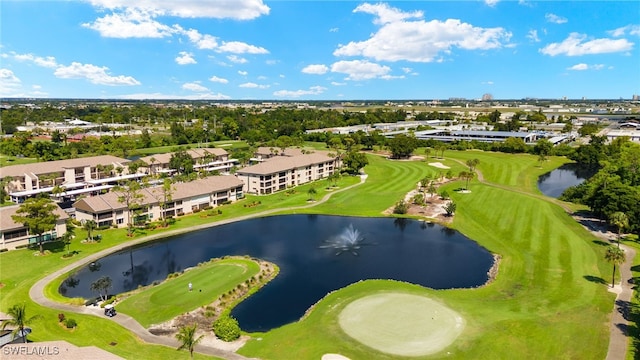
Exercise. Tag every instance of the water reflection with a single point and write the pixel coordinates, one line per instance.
(555, 182)
(305, 249)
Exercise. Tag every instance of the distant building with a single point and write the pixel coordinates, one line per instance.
(207, 159)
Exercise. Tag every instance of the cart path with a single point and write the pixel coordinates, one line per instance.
(619, 336)
(37, 290)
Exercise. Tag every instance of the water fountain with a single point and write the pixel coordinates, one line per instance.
(349, 240)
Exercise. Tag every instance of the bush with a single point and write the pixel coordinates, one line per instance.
(226, 328)
(110, 300)
(61, 317)
(3, 250)
(401, 207)
(70, 323)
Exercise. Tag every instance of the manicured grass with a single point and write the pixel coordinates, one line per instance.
(13, 160)
(172, 298)
(549, 299)
(401, 324)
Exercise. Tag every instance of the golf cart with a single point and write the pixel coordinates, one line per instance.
(109, 310)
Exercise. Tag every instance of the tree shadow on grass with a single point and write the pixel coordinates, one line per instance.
(602, 243)
(596, 279)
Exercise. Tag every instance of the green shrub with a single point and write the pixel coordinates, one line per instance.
(70, 323)
(226, 328)
(401, 207)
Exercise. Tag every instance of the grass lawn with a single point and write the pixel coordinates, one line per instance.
(170, 299)
(13, 160)
(549, 299)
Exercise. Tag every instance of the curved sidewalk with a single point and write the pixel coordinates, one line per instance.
(36, 293)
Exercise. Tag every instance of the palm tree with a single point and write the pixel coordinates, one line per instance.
(312, 193)
(18, 319)
(621, 221)
(616, 256)
(187, 337)
(102, 286)
(89, 225)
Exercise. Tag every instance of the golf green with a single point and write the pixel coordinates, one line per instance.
(401, 324)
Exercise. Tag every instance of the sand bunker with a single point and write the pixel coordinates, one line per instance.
(439, 165)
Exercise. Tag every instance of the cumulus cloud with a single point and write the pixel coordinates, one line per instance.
(622, 31)
(185, 58)
(251, 85)
(238, 47)
(218, 80)
(48, 62)
(317, 69)
(95, 74)
(131, 23)
(491, 3)
(201, 41)
(194, 86)
(360, 69)
(237, 59)
(553, 18)
(583, 66)
(575, 45)
(314, 90)
(243, 73)
(533, 35)
(335, 83)
(399, 39)
(229, 9)
(9, 83)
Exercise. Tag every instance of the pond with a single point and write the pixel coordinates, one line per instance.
(554, 183)
(316, 255)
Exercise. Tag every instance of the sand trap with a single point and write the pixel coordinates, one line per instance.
(334, 357)
(401, 324)
(439, 165)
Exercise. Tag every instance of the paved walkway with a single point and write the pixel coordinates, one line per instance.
(619, 338)
(37, 290)
(619, 320)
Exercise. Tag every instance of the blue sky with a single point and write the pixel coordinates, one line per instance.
(319, 50)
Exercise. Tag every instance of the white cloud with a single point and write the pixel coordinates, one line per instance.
(621, 31)
(95, 74)
(238, 47)
(251, 85)
(553, 18)
(360, 69)
(419, 40)
(194, 86)
(335, 29)
(218, 80)
(262, 77)
(203, 42)
(317, 69)
(533, 35)
(237, 59)
(132, 23)
(235, 9)
(491, 3)
(406, 70)
(159, 96)
(48, 62)
(185, 58)
(575, 45)
(487, 83)
(583, 66)
(314, 90)
(386, 14)
(9, 83)
(243, 73)
(335, 83)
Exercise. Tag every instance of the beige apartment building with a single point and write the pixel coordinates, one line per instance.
(13, 234)
(186, 198)
(280, 172)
